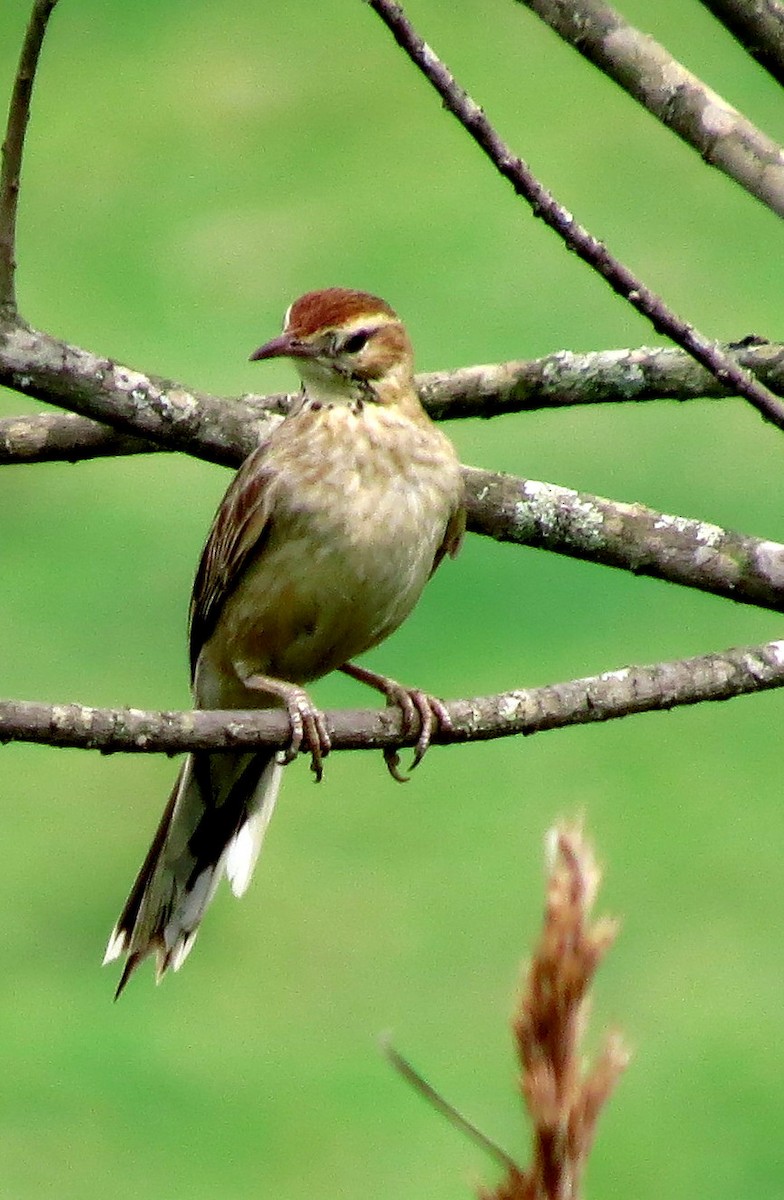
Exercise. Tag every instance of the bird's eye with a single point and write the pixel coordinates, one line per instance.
(355, 342)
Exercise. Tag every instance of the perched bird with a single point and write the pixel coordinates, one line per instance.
(319, 550)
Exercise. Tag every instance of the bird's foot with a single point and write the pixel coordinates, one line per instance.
(421, 714)
(308, 727)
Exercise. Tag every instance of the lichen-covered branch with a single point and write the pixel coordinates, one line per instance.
(648, 72)
(605, 697)
(759, 26)
(131, 401)
(630, 536)
(597, 377)
(575, 236)
(64, 437)
(495, 389)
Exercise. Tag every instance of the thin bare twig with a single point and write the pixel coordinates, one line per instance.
(648, 72)
(13, 146)
(620, 278)
(759, 27)
(441, 1105)
(605, 697)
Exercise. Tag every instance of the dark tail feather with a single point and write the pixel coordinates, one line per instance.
(215, 820)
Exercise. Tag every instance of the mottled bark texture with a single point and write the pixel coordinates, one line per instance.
(686, 105)
(605, 697)
(674, 548)
(557, 380)
(759, 27)
(631, 536)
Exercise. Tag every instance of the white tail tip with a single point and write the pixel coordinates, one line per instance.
(116, 947)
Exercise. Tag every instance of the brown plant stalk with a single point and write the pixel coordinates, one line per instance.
(562, 1096)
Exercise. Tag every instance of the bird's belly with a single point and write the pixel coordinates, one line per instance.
(325, 591)
(349, 545)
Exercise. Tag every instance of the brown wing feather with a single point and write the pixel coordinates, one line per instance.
(453, 536)
(240, 525)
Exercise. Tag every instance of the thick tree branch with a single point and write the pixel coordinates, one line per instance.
(759, 26)
(132, 402)
(681, 101)
(13, 146)
(64, 437)
(605, 697)
(630, 536)
(598, 377)
(620, 278)
(555, 381)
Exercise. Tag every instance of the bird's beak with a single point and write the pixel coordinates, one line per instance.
(284, 346)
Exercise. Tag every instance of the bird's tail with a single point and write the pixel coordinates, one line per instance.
(215, 821)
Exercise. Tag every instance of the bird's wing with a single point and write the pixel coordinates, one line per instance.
(453, 535)
(240, 527)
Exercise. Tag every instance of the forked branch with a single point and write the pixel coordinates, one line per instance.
(150, 413)
(648, 72)
(576, 237)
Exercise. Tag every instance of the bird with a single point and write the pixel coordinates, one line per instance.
(319, 550)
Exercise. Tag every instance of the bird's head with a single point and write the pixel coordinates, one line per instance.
(347, 346)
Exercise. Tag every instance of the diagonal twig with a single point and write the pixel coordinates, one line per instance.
(620, 278)
(13, 146)
(611, 695)
(648, 72)
(759, 27)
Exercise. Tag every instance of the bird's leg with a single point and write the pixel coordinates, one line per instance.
(420, 712)
(308, 727)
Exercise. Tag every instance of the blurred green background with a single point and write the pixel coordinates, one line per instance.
(192, 167)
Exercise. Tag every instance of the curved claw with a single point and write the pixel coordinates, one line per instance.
(308, 728)
(308, 731)
(419, 711)
(421, 714)
(433, 715)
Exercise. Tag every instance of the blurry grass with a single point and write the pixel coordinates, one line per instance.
(192, 168)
